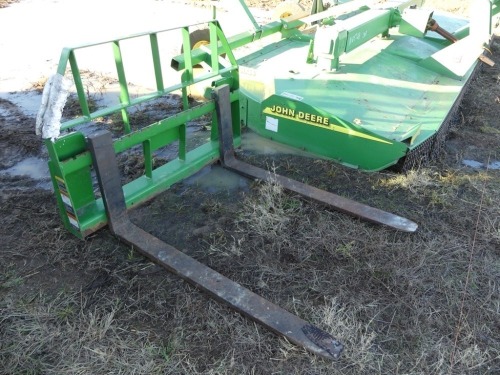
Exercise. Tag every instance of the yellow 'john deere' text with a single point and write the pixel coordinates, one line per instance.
(299, 115)
(320, 121)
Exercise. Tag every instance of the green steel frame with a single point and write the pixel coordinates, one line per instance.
(81, 209)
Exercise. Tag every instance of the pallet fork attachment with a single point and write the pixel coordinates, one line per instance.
(73, 154)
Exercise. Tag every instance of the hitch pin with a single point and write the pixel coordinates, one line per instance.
(434, 26)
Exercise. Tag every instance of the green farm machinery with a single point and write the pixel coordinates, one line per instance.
(368, 84)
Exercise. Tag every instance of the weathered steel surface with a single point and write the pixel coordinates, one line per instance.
(273, 317)
(323, 340)
(345, 205)
(339, 203)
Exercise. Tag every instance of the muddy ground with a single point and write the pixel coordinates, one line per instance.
(422, 303)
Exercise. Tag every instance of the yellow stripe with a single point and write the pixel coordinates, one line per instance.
(60, 179)
(336, 128)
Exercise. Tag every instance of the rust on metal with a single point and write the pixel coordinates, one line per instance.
(271, 316)
(323, 340)
(434, 26)
(486, 60)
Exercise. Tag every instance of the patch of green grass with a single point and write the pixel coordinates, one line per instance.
(11, 282)
(486, 129)
(212, 206)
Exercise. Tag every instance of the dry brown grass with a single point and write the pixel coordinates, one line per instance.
(63, 335)
(6, 3)
(456, 7)
(395, 298)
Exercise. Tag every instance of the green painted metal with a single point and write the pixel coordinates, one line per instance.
(296, 123)
(354, 92)
(352, 88)
(382, 96)
(358, 68)
(249, 14)
(70, 164)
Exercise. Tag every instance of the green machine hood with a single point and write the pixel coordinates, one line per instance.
(366, 97)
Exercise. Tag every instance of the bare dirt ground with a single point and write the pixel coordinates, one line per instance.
(422, 303)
